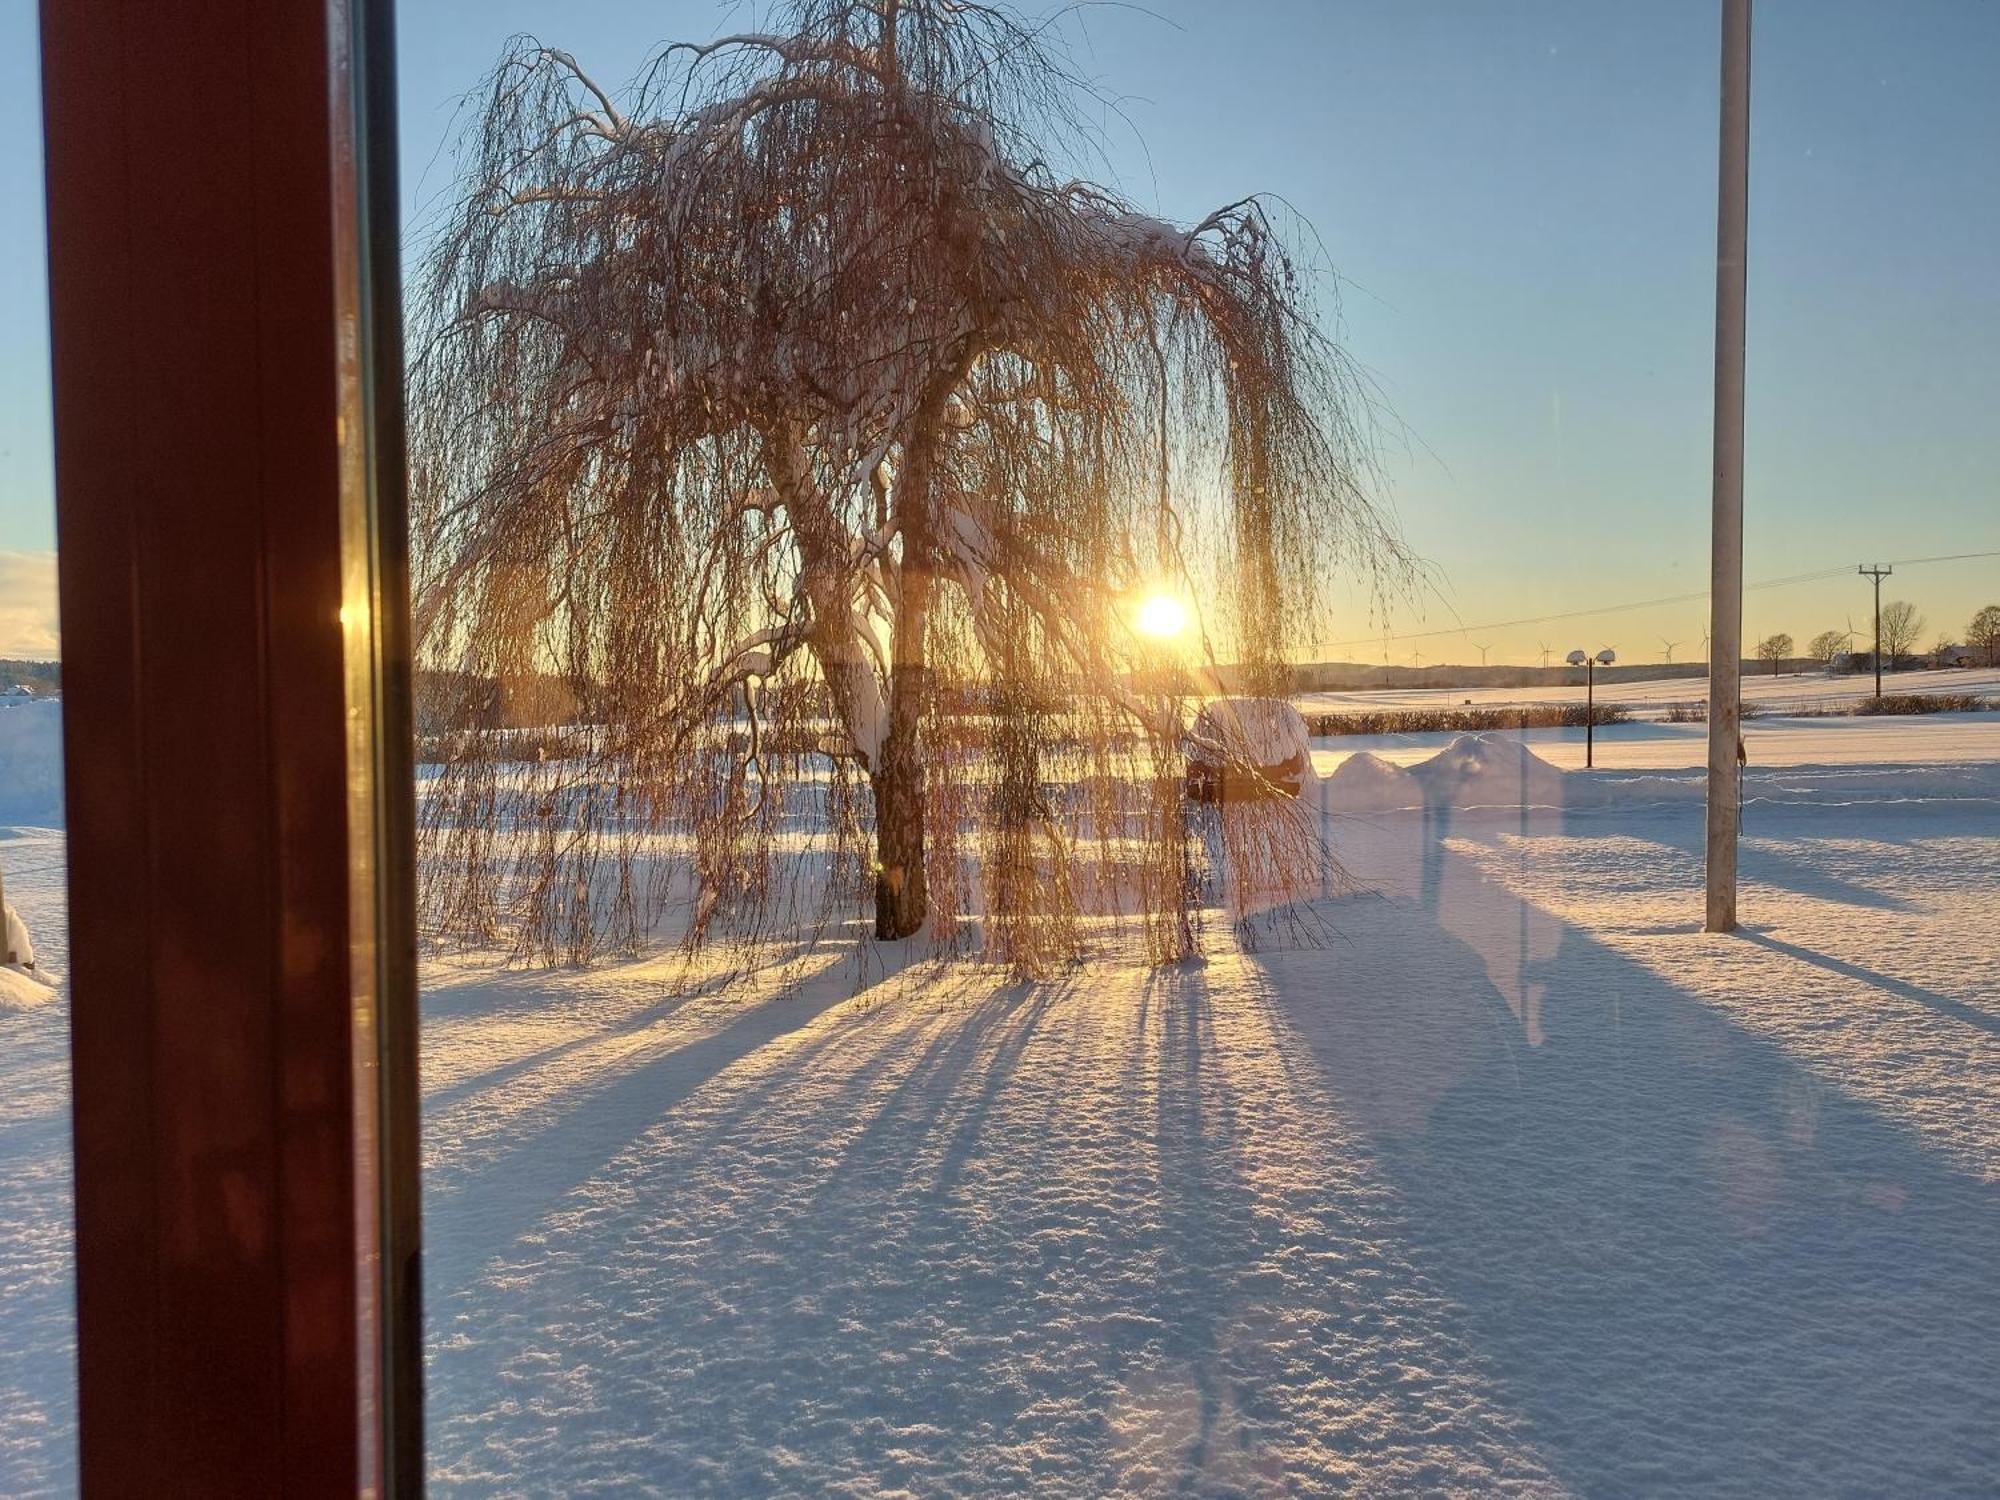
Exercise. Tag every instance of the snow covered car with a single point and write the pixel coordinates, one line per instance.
(1241, 749)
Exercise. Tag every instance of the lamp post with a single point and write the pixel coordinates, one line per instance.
(1590, 664)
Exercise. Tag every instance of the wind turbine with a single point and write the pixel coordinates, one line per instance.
(1547, 652)
(1482, 650)
(1670, 649)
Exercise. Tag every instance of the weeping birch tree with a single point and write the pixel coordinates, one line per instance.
(801, 416)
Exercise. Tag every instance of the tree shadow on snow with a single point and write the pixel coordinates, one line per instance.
(1693, 1265)
(475, 1215)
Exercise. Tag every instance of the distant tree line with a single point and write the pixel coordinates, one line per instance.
(42, 678)
(1903, 627)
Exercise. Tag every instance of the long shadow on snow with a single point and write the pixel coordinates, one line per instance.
(1694, 1265)
(1680, 828)
(1958, 1010)
(999, 1263)
(445, 1096)
(477, 1216)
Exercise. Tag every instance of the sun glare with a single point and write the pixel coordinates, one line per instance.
(1162, 617)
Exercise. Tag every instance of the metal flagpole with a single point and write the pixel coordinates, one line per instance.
(1725, 656)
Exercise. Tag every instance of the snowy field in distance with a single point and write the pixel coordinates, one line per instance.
(1516, 1185)
(1644, 694)
(1913, 743)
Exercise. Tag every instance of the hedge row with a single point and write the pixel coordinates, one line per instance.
(1926, 703)
(1464, 720)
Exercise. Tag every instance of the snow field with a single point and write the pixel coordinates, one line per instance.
(1519, 1185)
(1642, 695)
(1515, 1184)
(37, 1340)
(1890, 746)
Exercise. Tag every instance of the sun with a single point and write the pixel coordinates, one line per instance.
(1162, 617)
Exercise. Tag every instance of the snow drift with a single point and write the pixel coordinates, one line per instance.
(18, 946)
(1497, 772)
(1365, 782)
(1491, 770)
(1473, 771)
(22, 989)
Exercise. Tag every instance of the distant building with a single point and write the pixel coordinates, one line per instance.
(1953, 656)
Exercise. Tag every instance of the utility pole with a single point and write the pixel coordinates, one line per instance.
(1878, 574)
(1725, 659)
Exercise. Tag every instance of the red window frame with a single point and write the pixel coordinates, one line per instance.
(222, 241)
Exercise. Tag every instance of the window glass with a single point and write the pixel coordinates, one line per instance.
(1062, 720)
(37, 1318)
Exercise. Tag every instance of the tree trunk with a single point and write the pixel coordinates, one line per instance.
(902, 897)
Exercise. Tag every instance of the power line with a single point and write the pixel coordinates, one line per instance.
(1817, 576)
(1911, 562)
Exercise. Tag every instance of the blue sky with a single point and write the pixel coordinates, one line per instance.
(1519, 195)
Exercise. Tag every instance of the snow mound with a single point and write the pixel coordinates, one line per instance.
(1495, 771)
(1490, 770)
(18, 945)
(31, 776)
(22, 989)
(1365, 782)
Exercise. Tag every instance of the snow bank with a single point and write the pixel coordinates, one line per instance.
(1367, 783)
(1491, 770)
(18, 943)
(21, 989)
(31, 779)
(1473, 771)
(1499, 771)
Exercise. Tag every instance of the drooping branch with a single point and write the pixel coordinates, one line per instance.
(790, 406)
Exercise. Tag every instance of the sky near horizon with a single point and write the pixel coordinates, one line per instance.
(1518, 197)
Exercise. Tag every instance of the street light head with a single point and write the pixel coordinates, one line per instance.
(1576, 658)
(1606, 657)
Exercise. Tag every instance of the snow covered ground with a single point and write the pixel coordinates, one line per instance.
(1517, 1184)
(1818, 688)
(1918, 744)
(37, 1395)
(31, 761)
